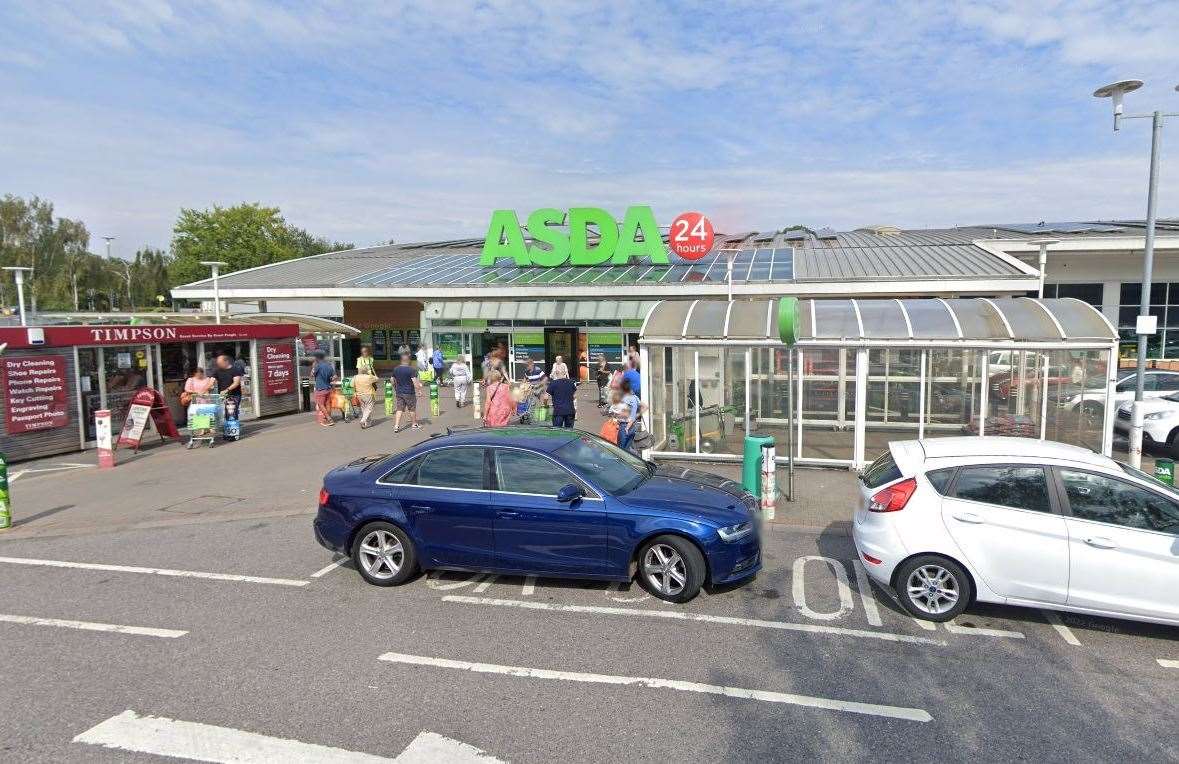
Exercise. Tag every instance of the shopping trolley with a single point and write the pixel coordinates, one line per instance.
(203, 412)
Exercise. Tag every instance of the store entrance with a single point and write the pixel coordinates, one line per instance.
(481, 345)
(563, 343)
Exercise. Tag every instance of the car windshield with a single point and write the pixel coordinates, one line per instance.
(604, 464)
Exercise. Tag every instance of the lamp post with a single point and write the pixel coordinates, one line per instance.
(18, 272)
(1043, 244)
(216, 266)
(1117, 91)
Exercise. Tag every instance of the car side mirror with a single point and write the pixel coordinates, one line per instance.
(570, 493)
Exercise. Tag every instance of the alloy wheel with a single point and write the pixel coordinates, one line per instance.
(933, 589)
(665, 569)
(381, 554)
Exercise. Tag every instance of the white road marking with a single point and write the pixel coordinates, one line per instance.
(329, 568)
(13, 476)
(437, 585)
(154, 571)
(614, 592)
(1168, 663)
(851, 706)
(143, 631)
(529, 586)
(867, 597)
(485, 584)
(979, 631)
(925, 624)
(680, 615)
(798, 588)
(1065, 632)
(431, 748)
(205, 742)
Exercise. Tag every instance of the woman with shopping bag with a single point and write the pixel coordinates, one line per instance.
(500, 403)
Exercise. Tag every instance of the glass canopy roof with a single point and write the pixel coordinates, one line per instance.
(937, 321)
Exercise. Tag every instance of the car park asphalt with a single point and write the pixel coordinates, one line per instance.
(803, 661)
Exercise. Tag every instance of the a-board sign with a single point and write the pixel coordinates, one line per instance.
(147, 403)
(35, 393)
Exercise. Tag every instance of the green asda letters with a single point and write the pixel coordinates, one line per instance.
(553, 246)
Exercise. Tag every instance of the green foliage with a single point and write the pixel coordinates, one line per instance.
(244, 236)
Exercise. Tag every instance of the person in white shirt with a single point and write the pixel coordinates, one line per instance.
(460, 374)
(560, 368)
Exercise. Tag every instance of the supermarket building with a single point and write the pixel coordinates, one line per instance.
(440, 294)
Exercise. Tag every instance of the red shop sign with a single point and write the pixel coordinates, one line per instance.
(68, 336)
(34, 393)
(278, 369)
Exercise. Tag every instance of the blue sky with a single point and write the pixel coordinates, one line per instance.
(413, 120)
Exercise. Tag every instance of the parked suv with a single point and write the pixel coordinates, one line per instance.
(1160, 421)
(1020, 522)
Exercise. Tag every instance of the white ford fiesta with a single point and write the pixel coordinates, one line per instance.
(947, 521)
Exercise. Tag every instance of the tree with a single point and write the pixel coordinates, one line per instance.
(54, 248)
(244, 236)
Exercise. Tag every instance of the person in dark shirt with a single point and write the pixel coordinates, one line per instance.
(229, 383)
(323, 373)
(562, 390)
(406, 385)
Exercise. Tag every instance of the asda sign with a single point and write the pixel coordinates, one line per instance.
(553, 245)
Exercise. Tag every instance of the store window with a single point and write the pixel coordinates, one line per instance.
(1090, 293)
(1164, 305)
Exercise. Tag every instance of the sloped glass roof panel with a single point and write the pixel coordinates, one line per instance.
(708, 319)
(1028, 320)
(1079, 319)
(882, 318)
(835, 319)
(930, 319)
(979, 319)
(748, 319)
(667, 318)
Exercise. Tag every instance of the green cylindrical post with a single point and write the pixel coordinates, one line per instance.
(5, 505)
(1164, 471)
(751, 462)
(388, 397)
(434, 397)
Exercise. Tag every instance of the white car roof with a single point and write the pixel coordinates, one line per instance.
(995, 446)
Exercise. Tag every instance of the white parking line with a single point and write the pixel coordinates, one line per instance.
(329, 568)
(205, 742)
(1065, 632)
(143, 631)
(529, 586)
(1168, 663)
(850, 706)
(867, 597)
(798, 588)
(979, 631)
(699, 617)
(154, 571)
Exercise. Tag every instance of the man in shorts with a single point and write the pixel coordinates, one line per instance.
(406, 385)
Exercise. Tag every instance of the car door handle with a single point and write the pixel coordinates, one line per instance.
(968, 517)
(421, 508)
(1101, 542)
(506, 513)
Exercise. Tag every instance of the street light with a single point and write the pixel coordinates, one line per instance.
(1116, 91)
(18, 272)
(1043, 244)
(216, 266)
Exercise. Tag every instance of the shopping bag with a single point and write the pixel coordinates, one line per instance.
(541, 414)
(427, 374)
(609, 430)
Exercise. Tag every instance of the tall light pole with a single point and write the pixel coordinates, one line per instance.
(1043, 244)
(1144, 329)
(18, 272)
(216, 266)
(108, 240)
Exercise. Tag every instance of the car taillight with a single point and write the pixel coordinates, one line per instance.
(324, 496)
(893, 498)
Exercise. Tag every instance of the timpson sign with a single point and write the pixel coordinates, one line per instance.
(66, 336)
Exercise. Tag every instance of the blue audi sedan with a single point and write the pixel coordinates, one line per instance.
(538, 501)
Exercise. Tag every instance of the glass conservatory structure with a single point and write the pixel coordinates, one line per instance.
(835, 380)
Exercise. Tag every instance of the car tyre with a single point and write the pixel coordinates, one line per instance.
(383, 554)
(933, 588)
(671, 568)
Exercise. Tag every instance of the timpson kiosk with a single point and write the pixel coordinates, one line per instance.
(54, 378)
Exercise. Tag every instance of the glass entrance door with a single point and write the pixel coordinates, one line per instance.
(563, 343)
(90, 386)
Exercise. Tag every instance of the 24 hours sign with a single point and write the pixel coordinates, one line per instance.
(34, 393)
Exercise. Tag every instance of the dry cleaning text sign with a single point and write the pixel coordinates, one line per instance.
(34, 393)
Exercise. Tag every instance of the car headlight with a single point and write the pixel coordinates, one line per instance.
(1159, 415)
(734, 532)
